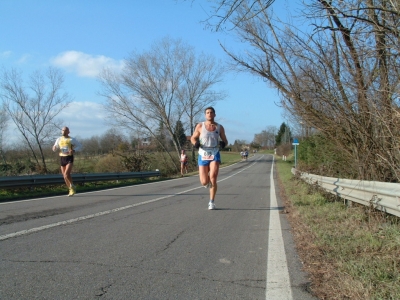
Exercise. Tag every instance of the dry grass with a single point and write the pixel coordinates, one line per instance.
(349, 252)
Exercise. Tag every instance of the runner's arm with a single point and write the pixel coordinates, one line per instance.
(222, 134)
(76, 145)
(56, 145)
(196, 134)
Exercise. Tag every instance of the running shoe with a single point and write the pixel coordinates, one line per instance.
(71, 191)
(211, 206)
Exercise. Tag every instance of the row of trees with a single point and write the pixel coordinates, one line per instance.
(162, 87)
(161, 93)
(271, 137)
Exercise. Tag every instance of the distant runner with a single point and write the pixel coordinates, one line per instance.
(184, 162)
(67, 146)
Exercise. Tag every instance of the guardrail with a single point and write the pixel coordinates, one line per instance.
(36, 180)
(384, 196)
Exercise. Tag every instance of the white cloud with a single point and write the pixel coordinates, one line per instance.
(85, 65)
(5, 54)
(84, 119)
(24, 58)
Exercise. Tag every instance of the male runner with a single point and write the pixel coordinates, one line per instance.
(206, 138)
(67, 146)
(184, 162)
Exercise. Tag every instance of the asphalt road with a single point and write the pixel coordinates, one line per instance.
(154, 241)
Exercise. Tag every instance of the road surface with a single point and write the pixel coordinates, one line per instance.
(155, 241)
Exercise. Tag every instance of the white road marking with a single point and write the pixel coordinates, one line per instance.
(278, 281)
(36, 229)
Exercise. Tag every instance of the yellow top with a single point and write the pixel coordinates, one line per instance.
(65, 146)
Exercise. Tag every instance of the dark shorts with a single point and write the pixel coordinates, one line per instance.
(184, 163)
(65, 160)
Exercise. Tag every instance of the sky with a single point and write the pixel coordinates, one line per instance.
(81, 37)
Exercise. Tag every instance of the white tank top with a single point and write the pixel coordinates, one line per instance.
(209, 139)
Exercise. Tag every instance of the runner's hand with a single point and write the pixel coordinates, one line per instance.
(197, 145)
(222, 144)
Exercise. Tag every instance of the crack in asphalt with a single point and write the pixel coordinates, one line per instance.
(174, 240)
(103, 290)
(69, 262)
(34, 215)
(241, 282)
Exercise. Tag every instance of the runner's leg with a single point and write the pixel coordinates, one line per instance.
(64, 173)
(203, 175)
(214, 169)
(68, 170)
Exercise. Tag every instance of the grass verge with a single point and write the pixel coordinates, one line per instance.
(349, 252)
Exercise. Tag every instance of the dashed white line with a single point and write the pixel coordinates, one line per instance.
(36, 229)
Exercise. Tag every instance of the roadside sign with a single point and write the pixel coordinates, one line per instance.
(295, 143)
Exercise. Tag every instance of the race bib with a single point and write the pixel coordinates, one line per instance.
(208, 153)
(207, 157)
(65, 150)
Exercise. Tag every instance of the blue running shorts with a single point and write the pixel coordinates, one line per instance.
(204, 163)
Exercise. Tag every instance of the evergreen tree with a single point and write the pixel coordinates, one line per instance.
(161, 138)
(179, 134)
(284, 135)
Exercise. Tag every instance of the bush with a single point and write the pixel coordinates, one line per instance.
(320, 155)
(19, 167)
(284, 149)
(4, 168)
(161, 161)
(109, 164)
(134, 161)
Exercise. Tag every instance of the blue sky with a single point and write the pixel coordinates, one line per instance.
(81, 37)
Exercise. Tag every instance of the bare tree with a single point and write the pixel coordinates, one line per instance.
(266, 138)
(34, 109)
(200, 75)
(111, 140)
(156, 87)
(4, 118)
(223, 12)
(341, 77)
(90, 146)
